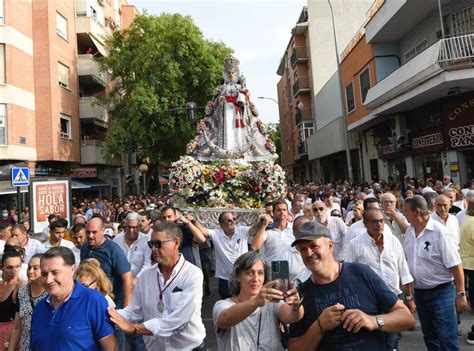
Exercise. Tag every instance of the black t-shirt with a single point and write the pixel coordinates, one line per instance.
(358, 287)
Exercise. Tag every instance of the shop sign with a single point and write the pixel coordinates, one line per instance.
(83, 172)
(49, 196)
(428, 141)
(458, 117)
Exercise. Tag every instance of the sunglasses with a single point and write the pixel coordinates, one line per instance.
(230, 220)
(320, 209)
(336, 215)
(157, 243)
(89, 285)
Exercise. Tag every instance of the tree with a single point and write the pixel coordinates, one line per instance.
(158, 63)
(275, 134)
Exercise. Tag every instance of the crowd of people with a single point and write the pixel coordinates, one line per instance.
(362, 260)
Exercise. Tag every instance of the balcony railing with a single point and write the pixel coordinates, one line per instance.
(89, 72)
(91, 152)
(298, 55)
(302, 149)
(303, 115)
(301, 85)
(457, 52)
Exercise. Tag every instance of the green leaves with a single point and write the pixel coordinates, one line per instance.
(158, 63)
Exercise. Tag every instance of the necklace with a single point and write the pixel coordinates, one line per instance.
(161, 305)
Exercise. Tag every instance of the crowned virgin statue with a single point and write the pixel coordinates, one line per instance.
(231, 128)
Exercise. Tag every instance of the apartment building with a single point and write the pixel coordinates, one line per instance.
(294, 97)
(50, 117)
(310, 113)
(423, 65)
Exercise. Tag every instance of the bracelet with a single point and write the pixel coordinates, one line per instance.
(320, 326)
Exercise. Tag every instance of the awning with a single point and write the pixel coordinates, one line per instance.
(89, 184)
(99, 46)
(6, 188)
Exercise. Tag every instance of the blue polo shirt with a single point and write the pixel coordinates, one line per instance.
(77, 324)
(113, 262)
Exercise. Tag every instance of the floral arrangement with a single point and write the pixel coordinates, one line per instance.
(229, 184)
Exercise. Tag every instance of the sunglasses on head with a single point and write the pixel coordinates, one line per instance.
(157, 243)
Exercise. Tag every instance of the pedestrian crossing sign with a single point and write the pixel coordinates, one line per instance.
(20, 176)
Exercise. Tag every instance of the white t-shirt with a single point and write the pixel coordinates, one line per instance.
(47, 245)
(227, 250)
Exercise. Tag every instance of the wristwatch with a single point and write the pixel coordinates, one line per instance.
(409, 298)
(380, 322)
(461, 293)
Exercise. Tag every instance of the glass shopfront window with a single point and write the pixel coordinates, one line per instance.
(429, 166)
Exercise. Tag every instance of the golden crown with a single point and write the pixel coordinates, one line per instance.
(231, 64)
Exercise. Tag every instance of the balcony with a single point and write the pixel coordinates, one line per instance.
(299, 55)
(90, 109)
(91, 152)
(90, 75)
(303, 115)
(301, 86)
(302, 149)
(426, 77)
(86, 25)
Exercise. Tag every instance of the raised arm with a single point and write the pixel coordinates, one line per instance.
(259, 232)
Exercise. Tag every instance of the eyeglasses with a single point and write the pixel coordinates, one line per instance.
(157, 243)
(229, 220)
(320, 209)
(89, 285)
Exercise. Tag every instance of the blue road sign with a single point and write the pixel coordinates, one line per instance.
(20, 176)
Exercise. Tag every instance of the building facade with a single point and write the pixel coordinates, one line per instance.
(50, 85)
(423, 96)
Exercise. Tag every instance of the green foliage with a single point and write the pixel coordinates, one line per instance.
(158, 63)
(274, 132)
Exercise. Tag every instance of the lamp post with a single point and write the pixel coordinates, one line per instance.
(343, 107)
(268, 98)
(143, 168)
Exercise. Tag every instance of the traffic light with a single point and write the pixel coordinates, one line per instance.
(190, 111)
(399, 142)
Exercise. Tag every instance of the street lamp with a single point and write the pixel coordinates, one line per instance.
(143, 168)
(343, 107)
(268, 98)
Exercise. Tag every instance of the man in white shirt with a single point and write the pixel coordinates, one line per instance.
(336, 226)
(145, 223)
(56, 237)
(46, 230)
(395, 220)
(230, 241)
(385, 255)
(78, 234)
(434, 260)
(134, 244)
(275, 243)
(29, 244)
(442, 215)
(330, 203)
(460, 215)
(167, 298)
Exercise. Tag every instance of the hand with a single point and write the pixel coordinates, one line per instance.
(120, 322)
(189, 217)
(268, 294)
(390, 213)
(411, 306)
(293, 299)
(461, 304)
(264, 220)
(354, 320)
(331, 317)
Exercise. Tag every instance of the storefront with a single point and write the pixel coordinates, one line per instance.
(426, 147)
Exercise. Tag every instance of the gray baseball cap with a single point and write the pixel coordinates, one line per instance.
(311, 231)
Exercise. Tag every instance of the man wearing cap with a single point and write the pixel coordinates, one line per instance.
(347, 306)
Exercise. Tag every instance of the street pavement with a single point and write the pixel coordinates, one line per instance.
(411, 340)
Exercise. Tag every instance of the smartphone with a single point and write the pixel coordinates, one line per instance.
(281, 272)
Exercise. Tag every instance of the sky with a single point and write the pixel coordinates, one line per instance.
(258, 31)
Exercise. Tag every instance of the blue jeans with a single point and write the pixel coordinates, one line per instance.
(391, 341)
(437, 313)
(224, 291)
(135, 342)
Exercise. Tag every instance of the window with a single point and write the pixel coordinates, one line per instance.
(364, 79)
(61, 25)
(416, 50)
(63, 71)
(350, 97)
(463, 21)
(2, 63)
(3, 124)
(65, 126)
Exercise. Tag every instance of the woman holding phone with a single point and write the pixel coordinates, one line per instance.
(249, 320)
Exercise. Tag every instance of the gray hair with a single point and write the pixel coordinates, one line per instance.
(172, 230)
(470, 207)
(418, 202)
(244, 263)
(133, 216)
(430, 198)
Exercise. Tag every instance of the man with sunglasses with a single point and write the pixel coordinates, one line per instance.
(347, 306)
(336, 227)
(385, 255)
(167, 298)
